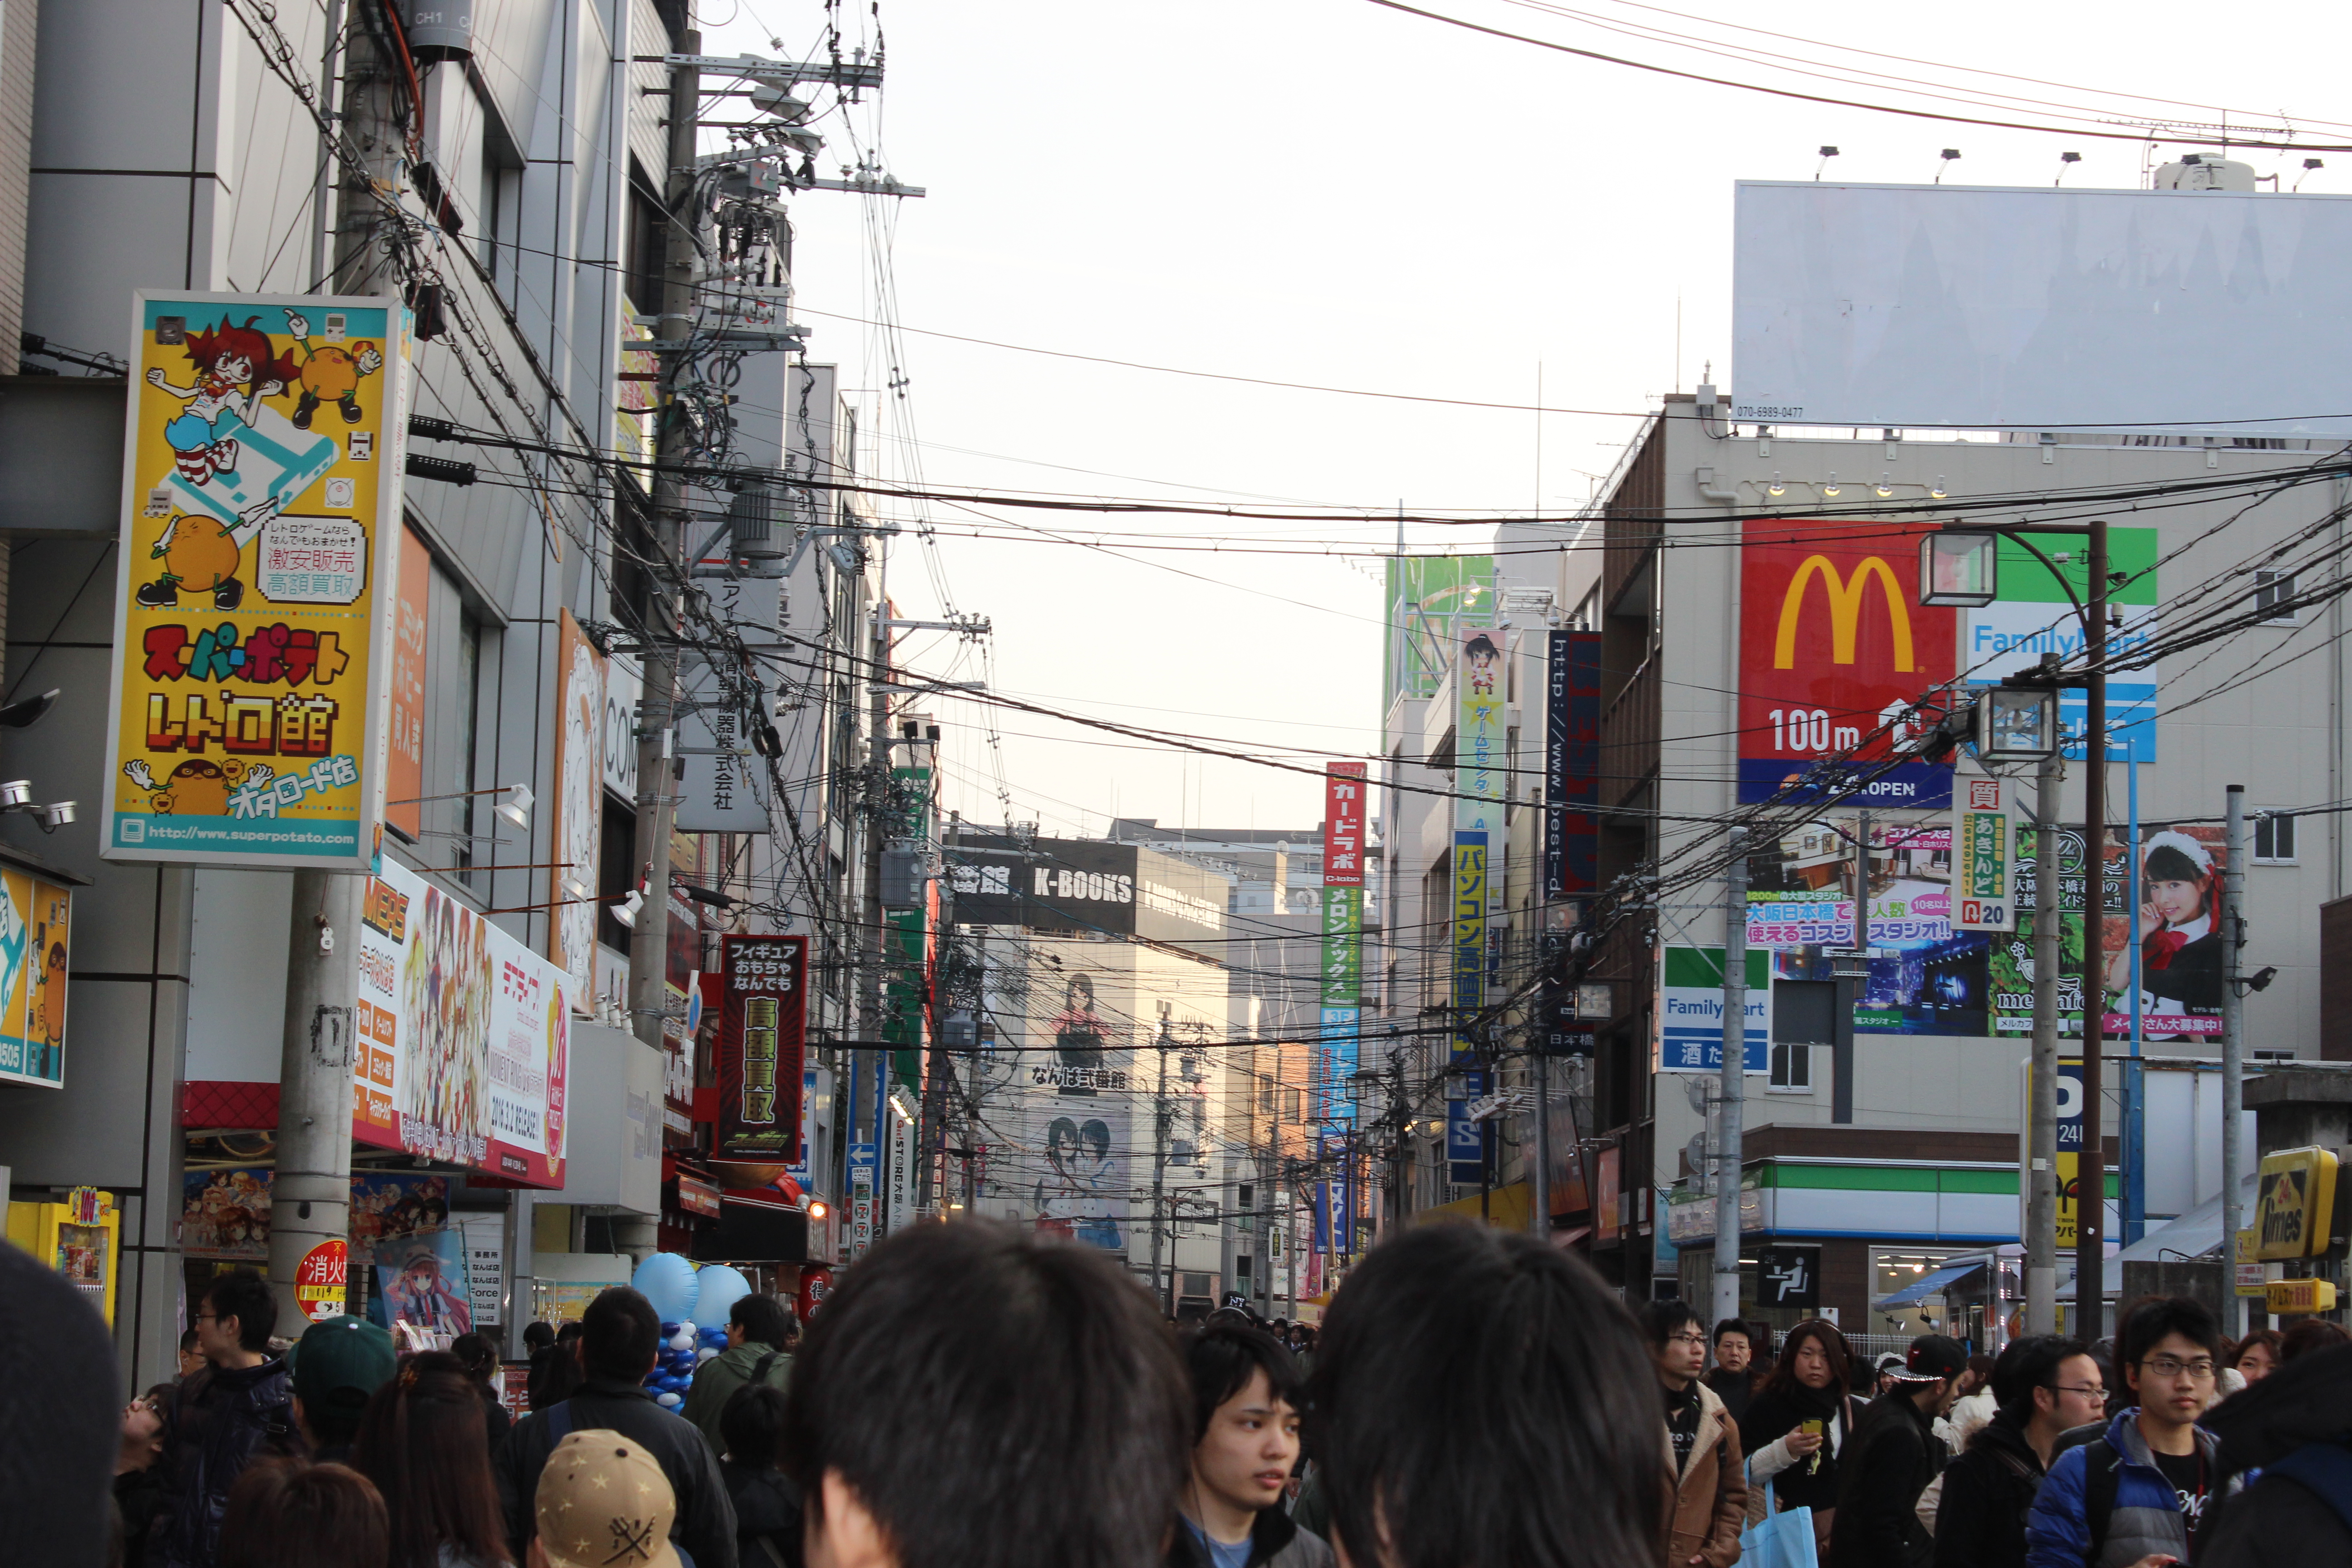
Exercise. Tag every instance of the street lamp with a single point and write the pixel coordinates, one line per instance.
(2017, 724)
(1362, 1085)
(1959, 567)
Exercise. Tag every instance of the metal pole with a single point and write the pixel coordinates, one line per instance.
(1539, 1180)
(312, 1190)
(1160, 1168)
(2134, 1127)
(1735, 1085)
(2091, 1200)
(657, 804)
(322, 219)
(2042, 1115)
(2234, 1048)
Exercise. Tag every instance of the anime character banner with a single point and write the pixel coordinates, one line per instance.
(225, 1212)
(36, 938)
(256, 587)
(463, 1032)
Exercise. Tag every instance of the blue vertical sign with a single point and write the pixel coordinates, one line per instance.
(1462, 1148)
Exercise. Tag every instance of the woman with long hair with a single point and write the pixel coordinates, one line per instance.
(481, 1359)
(1797, 1422)
(423, 1443)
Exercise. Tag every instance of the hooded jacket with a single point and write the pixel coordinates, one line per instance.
(1888, 1462)
(222, 1420)
(1989, 1491)
(2290, 1425)
(1277, 1540)
(1708, 1501)
(2146, 1517)
(704, 1523)
(715, 1381)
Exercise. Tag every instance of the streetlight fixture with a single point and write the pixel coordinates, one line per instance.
(1959, 567)
(2017, 724)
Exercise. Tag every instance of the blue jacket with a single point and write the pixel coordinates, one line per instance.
(2146, 1517)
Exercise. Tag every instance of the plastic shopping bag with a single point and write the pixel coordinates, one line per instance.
(1780, 1540)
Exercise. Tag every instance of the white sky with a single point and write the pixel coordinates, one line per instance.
(1326, 191)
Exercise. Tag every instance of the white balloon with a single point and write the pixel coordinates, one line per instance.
(668, 1401)
(706, 1354)
(681, 1341)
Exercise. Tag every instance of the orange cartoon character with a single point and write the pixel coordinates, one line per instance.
(197, 787)
(329, 372)
(199, 554)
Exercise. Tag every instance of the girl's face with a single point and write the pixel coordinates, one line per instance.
(2177, 902)
(2255, 1363)
(1812, 1368)
(233, 367)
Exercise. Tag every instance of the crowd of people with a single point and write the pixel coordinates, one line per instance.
(978, 1396)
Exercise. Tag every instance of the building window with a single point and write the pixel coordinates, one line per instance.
(2273, 1056)
(2273, 593)
(1792, 1067)
(1266, 1092)
(1293, 1110)
(2274, 840)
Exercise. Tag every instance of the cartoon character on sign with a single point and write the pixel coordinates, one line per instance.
(200, 554)
(1482, 656)
(422, 1294)
(329, 374)
(1076, 1199)
(197, 787)
(235, 369)
(1078, 1037)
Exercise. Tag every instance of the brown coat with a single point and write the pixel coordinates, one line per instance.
(1709, 1504)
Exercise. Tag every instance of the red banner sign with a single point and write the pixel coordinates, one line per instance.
(1343, 825)
(318, 1279)
(763, 1027)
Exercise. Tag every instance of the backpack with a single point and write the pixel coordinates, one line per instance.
(2323, 1469)
(2102, 1477)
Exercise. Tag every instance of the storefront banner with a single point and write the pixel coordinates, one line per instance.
(1833, 654)
(1984, 855)
(1690, 1011)
(2181, 870)
(1343, 824)
(1469, 939)
(225, 1212)
(1571, 764)
(257, 582)
(577, 832)
(36, 945)
(2035, 614)
(1428, 597)
(757, 1056)
(411, 640)
(464, 1035)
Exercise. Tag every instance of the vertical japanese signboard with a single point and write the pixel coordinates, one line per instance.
(1572, 762)
(36, 941)
(1984, 857)
(1343, 930)
(257, 581)
(576, 834)
(1479, 764)
(404, 745)
(2070, 1149)
(1833, 654)
(463, 1036)
(762, 1026)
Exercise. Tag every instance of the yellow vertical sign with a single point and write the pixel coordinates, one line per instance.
(255, 579)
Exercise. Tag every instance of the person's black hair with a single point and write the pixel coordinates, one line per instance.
(1733, 1326)
(1661, 1320)
(243, 1294)
(620, 1334)
(752, 1425)
(1462, 1371)
(188, 1341)
(476, 1355)
(995, 1396)
(536, 1337)
(1484, 644)
(2309, 1336)
(571, 1330)
(2152, 1318)
(2024, 1366)
(1222, 1358)
(764, 1320)
(1782, 1379)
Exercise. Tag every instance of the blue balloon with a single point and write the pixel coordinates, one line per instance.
(717, 1289)
(668, 1281)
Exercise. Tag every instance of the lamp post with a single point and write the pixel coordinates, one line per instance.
(1959, 564)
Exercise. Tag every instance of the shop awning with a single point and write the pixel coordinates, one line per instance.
(1928, 1284)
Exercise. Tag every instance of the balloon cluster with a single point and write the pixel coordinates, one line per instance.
(685, 1346)
(681, 1293)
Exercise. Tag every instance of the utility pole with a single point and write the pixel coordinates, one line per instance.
(2042, 1120)
(1539, 1181)
(2234, 1048)
(311, 1192)
(1160, 1165)
(874, 973)
(1735, 1066)
(2091, 1201)
(657, 798)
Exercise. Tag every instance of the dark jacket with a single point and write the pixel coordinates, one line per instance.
(1276, 1541)
(1733, 1388)
(1887, 1463)
(1987, 1492)
(715, 1381)
(222, 1420)
(1770, 1418)
(2296, 1426)
(767, 1515)
(705, 1521)
(2146, 1518)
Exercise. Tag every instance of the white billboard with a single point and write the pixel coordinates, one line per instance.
(1949, 306)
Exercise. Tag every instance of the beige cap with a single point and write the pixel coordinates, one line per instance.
(603, 1503)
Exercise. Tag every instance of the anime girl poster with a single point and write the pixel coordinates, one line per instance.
(422, 1282)
(1081, 1196)
(445, 983)
(2180, 938)
(1078, 1036)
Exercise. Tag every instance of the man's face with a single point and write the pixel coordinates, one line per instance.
(1731, 1352)
(1684, 1355)
(216, 1336)
(1244, 1458)
(2173, 1380)
(2076, 1396)
(192, 1357)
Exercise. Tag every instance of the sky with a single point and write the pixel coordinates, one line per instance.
(1337, 193)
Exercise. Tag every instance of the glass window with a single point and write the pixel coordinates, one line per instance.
(2274, 840)
(2274, 597)
(1792, 1067)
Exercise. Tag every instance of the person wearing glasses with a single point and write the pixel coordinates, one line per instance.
(1710, 1503)
(2132, 1498)
(2041, 1386)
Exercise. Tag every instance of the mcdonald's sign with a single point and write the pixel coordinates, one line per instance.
(1834, 649)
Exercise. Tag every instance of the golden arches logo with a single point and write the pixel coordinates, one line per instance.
(1845, 609)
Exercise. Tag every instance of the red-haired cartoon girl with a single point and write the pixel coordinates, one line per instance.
(235, 369)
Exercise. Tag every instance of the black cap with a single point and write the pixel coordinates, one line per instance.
(1932, 1359)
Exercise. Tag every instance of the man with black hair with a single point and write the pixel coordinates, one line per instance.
(758, 1328)
(2135, 1494)
(1892, 1456)
(1245, 1413)
(2041, 1386)
(767, 1505)
(191, 1352)
(1735, 1364)
(620, 1340)
(976, 1395)
(1484, 1398)
(239, 1407)
(339, 1363)
(1710, 1493)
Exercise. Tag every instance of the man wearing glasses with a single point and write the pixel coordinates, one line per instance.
(2132, 1498)
(1710, 1501)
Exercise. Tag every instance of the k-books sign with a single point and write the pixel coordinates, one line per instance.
(1833, 651)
